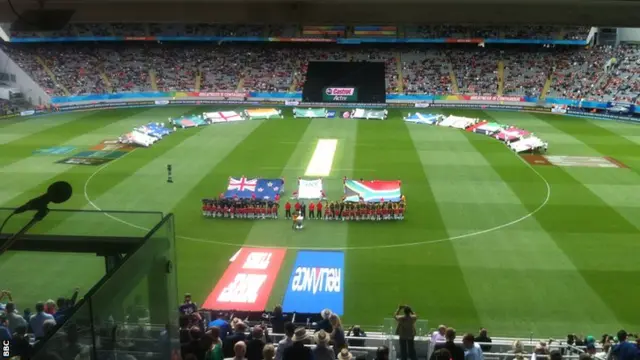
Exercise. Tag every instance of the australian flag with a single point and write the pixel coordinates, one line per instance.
(260, 189)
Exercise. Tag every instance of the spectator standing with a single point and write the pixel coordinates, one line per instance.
(325, 324)
(406, 331)
(337, 335)
(277, 320)
(483, 338)
(472, 350)
(256, 344)
(14, 319)
(37, 321)
(65, 306)
(322, 350)
(285, 343)
(215, 351)
(239, 351)
(188, 307)
(624, 350)
(222, 324)
(457, 353)
(231, 340)
(298, 350)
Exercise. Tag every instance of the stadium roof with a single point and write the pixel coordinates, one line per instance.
(570, 12)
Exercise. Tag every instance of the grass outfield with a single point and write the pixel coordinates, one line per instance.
(488, 241)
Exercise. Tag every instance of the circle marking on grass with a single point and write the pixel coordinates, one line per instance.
(373, 247)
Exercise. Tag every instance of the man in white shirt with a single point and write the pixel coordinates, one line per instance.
(15, 320)
(472, 351)
(438, 335)
(285, 343)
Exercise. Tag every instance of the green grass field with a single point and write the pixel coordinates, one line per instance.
(488, 241)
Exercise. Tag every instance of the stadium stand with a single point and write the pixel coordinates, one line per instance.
(435, 31)
(599, 73)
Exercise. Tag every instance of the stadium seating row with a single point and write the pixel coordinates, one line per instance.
(435, 31)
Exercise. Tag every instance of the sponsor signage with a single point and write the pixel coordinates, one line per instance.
(248, 281)
(27, 113)
(316, 283)
(334, 94)
(292, 102)
(422, 105)
(222, 94)
(331, 114)
(162, 102)
(493, 98)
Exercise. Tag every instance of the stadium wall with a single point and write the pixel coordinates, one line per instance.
(297, 96)
(31, 91)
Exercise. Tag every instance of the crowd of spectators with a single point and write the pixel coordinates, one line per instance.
(498, 32)
(421, 31)
(602, 73)
(272, 336)
(23, 330)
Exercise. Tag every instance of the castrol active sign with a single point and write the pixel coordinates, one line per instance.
(340, 94)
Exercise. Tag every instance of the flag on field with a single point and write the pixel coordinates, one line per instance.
(310, 113)
(261, 189)
(419, 118)
(262, 114)
(372, 191)
(310, 189)
(222, 116)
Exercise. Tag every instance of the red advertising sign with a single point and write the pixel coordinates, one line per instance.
(220, 94)
(248, 281)
(493, 98)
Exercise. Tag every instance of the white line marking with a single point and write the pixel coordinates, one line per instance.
(322, 158)
(390, 246)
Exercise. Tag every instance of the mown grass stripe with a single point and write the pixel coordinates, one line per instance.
(396, 158)
(205, 265)
(24, 147)
(601, 139)
(118, 171)
(577, 229)
(317, 233)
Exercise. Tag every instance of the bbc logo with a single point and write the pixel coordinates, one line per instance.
(5, 349)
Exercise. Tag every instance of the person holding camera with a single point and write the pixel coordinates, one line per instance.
(406, 331)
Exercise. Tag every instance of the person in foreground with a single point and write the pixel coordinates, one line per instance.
(322, 351)
(457, 353)
(239, 351)
(298, 351)
(406, 331)
(285, 343)
(472, 350)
